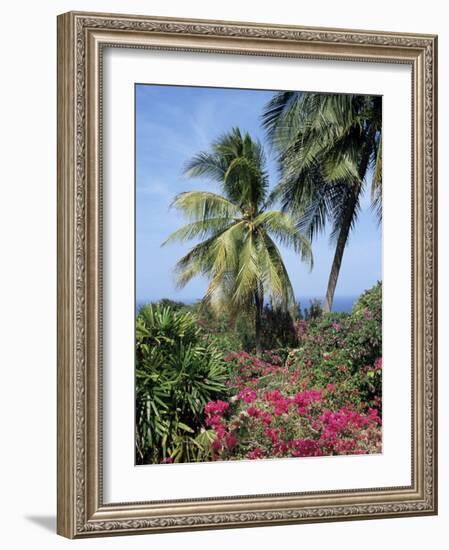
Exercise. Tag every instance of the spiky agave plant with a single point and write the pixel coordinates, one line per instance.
(237, 251)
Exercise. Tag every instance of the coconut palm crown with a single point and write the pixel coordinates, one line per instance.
(327, 145)
(237, 251)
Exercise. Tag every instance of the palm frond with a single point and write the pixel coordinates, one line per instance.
(200, 229)
(203, 205)
(223, 259)
(275, 279)
(207, 165)
(278, 116)
(340, 212)
(198, 261)
(249, 273)
(376, 182)
(283, 228)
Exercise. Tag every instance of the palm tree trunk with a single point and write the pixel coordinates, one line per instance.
(258, 302)
(339, 250)
(346, 222)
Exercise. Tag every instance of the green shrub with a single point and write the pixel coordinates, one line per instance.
(370, 300)
(344, 349)
(314, 311)
(229, 334)
(278, 329)
(225, 333)
(172, 304)
(226, 341)
(177, 373)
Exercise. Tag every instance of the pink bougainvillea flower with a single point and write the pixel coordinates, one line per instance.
(216, 407)
(281, 406)
(266, 417)
(255, 454)
(247, 395)
(305, 447)
(252, 411)
(230, 440)
(272, 434)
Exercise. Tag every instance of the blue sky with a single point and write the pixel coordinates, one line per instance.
(172, 124)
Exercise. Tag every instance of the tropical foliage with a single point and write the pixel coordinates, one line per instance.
(177, 373)
(327, 144)
(325, 399)
(238, 232)
(319, 395)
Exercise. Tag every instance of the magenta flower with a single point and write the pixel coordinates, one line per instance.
(252, 411)
(255, 454)
(216, 407)
(247, 395)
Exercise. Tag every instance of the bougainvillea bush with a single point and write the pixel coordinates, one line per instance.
(275, 413)
(323, 399)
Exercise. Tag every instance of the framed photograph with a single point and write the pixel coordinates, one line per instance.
(247, 278)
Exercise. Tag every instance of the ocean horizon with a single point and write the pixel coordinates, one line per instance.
(342, 304)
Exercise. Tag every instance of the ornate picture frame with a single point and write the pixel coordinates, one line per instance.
(82, 38)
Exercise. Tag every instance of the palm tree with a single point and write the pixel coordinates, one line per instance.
(237, 251)
(328, 144)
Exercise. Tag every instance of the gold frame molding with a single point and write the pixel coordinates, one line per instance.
(81, 38)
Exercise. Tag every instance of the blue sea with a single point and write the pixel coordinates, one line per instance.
(341, 304)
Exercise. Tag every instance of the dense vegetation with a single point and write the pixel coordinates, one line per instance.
(177, 373)
(316, 391)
